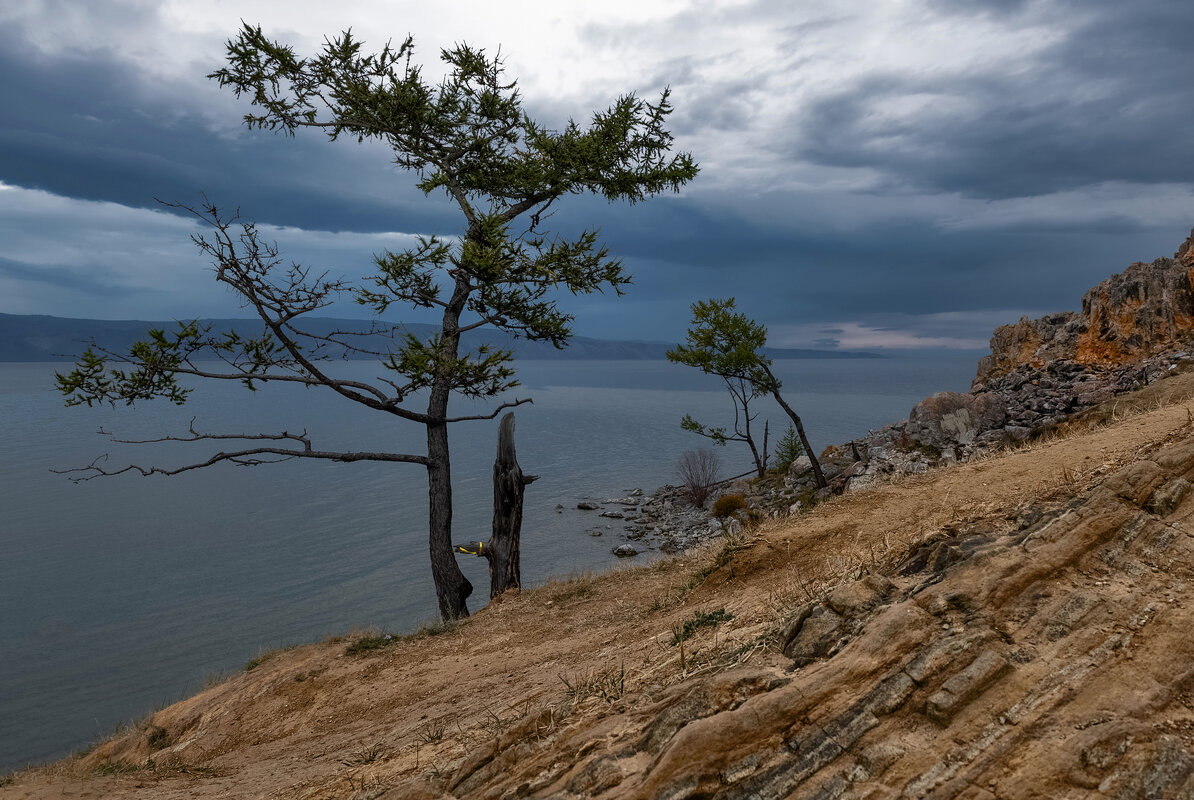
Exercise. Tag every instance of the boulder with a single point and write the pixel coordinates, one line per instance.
(945, 418)
(800, 466)
(1034, 342)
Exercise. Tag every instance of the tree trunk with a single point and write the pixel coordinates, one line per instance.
(508, 486)
(808, 448)
(766, 434)
(451, 587)
(760, 464)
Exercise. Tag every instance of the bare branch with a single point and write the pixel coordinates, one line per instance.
(248, 457)
(496, 411)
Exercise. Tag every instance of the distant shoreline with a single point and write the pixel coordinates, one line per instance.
(26, 338)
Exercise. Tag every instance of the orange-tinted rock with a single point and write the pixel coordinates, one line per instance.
(1185, 253)
(1034, 342)
(1137, 313)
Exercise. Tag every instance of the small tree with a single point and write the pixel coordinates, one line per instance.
(726, 343)
(467, 137)
(788, 449)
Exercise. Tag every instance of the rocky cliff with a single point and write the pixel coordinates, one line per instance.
(1134, 328)
(1135, 314)
(1039, 655)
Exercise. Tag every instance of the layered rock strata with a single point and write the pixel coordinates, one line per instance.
(1045, 655)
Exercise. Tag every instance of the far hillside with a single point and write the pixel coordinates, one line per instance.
(46, 338)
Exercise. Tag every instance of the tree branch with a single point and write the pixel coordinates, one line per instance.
(496, 411)
(248, 457)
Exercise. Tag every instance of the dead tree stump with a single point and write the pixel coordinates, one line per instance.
(502, 549)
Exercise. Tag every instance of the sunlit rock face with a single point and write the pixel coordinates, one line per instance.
(1137, 313)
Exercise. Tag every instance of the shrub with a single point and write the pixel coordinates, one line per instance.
(699, 471)
(700, 619)
(367, 643)
(727, 504)
(788, 450)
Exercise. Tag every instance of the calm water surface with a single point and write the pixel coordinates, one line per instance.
(121, 595)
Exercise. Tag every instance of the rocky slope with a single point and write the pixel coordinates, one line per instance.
(1044, 654)
(1013, 627)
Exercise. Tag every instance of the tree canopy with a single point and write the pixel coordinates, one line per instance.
(725, 342)
(467, 136)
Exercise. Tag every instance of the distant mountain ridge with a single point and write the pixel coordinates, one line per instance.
(44, 338)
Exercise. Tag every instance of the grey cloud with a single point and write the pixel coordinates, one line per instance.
(82, 126)
(1106, 103)
(970, 7)
(62, 275)
(73, 129)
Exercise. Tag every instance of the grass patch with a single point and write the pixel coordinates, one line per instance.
(496, 724)
(700, 619)
(7, 779)
(370, 642)
(727, 504)
(430, 732)
(157, 737)
(367, 644)
(214, 679)
(669, 599)
(574, 589)
(122, 767)
(367, 755)
(725, 555)
(265, 655)
(608, 685)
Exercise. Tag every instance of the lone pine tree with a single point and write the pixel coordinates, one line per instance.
(470, 138)
(724, 342)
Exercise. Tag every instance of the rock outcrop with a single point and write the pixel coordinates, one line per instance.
(1138, 313)
(1134, 328)
(1043, 655)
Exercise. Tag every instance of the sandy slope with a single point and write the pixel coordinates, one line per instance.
(575, 688)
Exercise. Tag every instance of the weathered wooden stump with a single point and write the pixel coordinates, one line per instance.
(502, 549)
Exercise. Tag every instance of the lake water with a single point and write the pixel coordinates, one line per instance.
(121, 595)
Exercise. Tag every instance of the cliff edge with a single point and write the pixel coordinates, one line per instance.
(1132, 315)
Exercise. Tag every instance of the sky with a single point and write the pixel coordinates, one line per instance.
(899, 175)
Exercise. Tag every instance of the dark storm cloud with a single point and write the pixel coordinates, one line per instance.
(83, 127)
(59, 275)
(1110, 101)
(803, 274)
